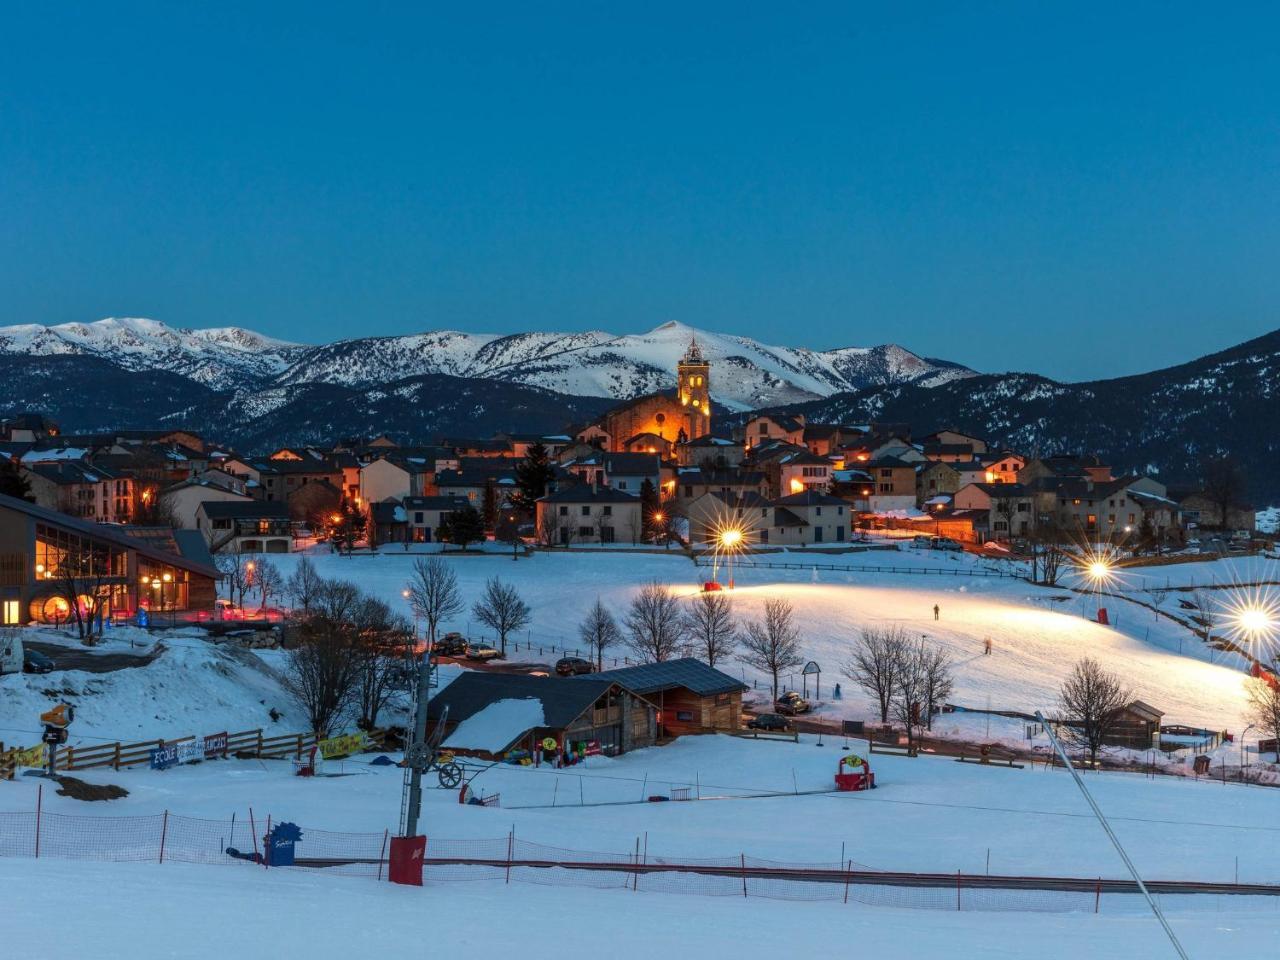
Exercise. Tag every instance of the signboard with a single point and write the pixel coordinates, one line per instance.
(215, 745)
(342, 746)
(593, 748)
(811, 668)
(162, 758)
(31, 757)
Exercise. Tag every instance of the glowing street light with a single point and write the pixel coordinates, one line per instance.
(1099, 571)
(731, 539)
(1255, 621)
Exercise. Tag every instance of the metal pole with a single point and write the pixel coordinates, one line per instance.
(1115, 841)
(415, 753)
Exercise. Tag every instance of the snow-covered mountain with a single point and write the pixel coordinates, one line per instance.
(226, 358)
(745, 374)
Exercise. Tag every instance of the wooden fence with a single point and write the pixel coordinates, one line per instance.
(245, 744)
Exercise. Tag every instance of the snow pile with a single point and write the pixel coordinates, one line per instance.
(191, 687)
(496, 726)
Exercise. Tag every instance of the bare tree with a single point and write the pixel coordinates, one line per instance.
(303, 584)
(1264, 701)
(1204, 614)
(910, 695)
(269, 580)
(322, 670)
(384, 653)
(709, 623)
(935, 668)
(502, 609)
(549, 527)
(653, 623)
(236, 574)
(1223, 484)
(599, 631)
(1091, 701)
(875, 664)
(82, 576)
(772, 645)
(434, 593)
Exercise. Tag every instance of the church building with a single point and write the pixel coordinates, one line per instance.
(653, 422)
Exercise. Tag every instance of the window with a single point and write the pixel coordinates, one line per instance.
(817, 511)
(9, 615)
(1092, 520)
(417, 518)
(586, 510)
(584, 531)
(764, 429)
(621, 484)
(886, 472)
(607, 510)
(684, 716)
(564, 511)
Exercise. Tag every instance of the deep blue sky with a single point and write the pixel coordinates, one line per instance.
(1081, 192)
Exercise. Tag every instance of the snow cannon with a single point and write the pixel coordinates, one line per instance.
(854, 773)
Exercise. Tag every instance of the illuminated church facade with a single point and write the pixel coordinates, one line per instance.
(652, 423)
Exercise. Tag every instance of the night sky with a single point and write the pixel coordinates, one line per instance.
(1081, 191)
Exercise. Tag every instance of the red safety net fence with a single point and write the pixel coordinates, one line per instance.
(245, 840)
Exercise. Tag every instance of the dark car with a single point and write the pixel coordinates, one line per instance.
(791, 703)
(946, 543)
(33, 661)
(767, 721)
(451, 645)
(573, 666)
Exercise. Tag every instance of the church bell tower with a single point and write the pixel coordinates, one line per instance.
(694, 379)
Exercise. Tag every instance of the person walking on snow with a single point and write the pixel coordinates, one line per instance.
(936, 611)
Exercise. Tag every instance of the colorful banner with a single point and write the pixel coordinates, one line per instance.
(31, 757)
(215, 745)
(162, 758)
(342, 746)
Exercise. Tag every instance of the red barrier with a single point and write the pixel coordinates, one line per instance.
(407, 854)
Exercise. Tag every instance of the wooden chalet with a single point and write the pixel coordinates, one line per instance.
(692, 697)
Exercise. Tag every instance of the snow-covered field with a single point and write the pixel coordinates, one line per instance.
(1036, 633)
(144, 911)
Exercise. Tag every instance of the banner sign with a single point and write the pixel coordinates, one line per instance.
(162, 758)
(342, 746)
(31, 757)
(215, 745)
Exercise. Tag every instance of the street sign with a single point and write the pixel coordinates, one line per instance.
(811, 667)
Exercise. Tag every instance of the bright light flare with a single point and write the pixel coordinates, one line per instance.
(1251, 616)
(1098, 564)
(731, 538)
(1100, 570)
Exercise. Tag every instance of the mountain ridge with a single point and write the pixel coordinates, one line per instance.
(591, 363)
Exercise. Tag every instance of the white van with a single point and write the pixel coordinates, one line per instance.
(10, 651)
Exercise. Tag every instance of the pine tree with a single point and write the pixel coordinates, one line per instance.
(13, 483)
(466, 526)
(649, 504)
(490, 506)
(532, 477)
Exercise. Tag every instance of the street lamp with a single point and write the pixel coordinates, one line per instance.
(730, 542)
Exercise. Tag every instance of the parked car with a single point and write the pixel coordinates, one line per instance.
(767, 721)
(791, 703)
(946, 543)
(33, 661)
(451, 645)
(921, 541)
(481, 651)
(573, 666)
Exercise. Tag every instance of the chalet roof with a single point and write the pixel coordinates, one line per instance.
(72, 472)
(244, 510)
(650, 678)
(782, 517)
(804, 458)
(708, 440)
(947, 449)
(1145, 711)
(721, 476)
(888, 462)
(387, 512)
(435, 503)
(585, 493)
(1004, 491)
(747, 499)
(109, 533)
(632, 464)
(809, 498)
(784, 422)
(563, 699)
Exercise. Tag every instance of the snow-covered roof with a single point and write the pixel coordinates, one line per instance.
(497, 726)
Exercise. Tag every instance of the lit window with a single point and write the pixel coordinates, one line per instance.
(10, 613)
